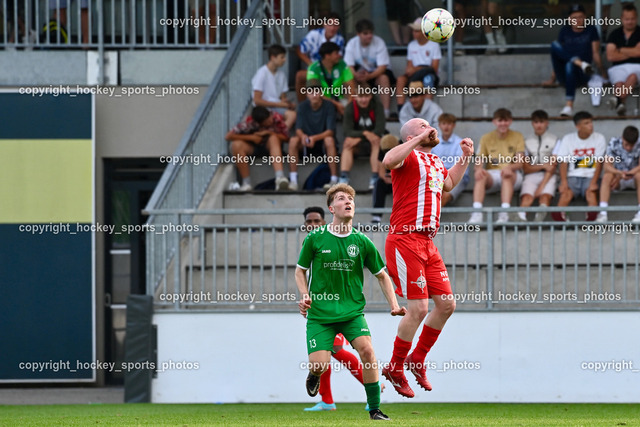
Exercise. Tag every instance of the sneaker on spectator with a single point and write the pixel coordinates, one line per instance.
(636, 219)
(282, 183)
(567, 111)
(372, 182)
(328, 185)
(501, 41)
(621, 109)
(502, 218)
(612, 102)
(586, 68)
(245, 187)
(590, 216)
(343, 180)
(476, 218)
(540, 216)
(602, 217)
(522, 216)
(293, 185)
(559, 216)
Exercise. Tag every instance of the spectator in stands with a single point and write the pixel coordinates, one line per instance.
(580, 157)
(623, 51)
(399, 14)
(577, 47)
(383, 183)
(419, 106)
(315, 133)
(449, 151)
(423, 60)
(200, 10)
(540, 179)
(621, 169)
(499, 167)
(270, 86)
(606, 12)
(368, 59)
(335, 77)
(493, 33)
(363, 125)
(261, 134)
(309, 49)
(58, 10)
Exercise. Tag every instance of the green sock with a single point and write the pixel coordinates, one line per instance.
(373, 395)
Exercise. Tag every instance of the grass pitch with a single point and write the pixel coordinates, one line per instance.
(406, 414)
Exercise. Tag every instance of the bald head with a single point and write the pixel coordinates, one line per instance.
(418, 126)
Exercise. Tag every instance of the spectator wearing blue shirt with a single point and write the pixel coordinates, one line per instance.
(621, 169)
(309, 49)
(577, 47)
(449, 151)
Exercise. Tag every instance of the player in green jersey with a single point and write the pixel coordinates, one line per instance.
(333, 299)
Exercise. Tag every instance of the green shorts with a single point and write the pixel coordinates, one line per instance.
(320, 336)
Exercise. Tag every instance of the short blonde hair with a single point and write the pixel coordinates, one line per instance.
(337, 188)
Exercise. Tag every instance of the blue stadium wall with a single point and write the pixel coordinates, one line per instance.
(46, 277)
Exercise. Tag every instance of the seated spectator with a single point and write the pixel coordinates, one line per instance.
(540, 179)
(270, 86)
(449, 151)
(309, 49)
(58, 10)
(580, 157)
(577, 47)
(368, 58)
(623, 51)
(419, 106)
(399, 14)
(383, 183)
(363, 125)
(621, 169)
(605, 13)
(261, 134)
(493, 32)
(423, 60)
(335, 77)
(499, 167)
(315, 133)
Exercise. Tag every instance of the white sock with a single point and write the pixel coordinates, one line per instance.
(334, 179)
(293, 177)
(505, 205)
(490, 38)
(477, 205)
(604, 205)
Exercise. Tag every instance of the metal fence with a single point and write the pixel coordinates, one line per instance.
(118, 24)
(513, 266)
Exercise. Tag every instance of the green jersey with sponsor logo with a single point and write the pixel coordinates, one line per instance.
(336, 277)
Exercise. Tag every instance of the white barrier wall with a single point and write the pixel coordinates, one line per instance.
(480, 357)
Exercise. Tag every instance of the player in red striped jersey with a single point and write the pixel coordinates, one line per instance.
(414, 263)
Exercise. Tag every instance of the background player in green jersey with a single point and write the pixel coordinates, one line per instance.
(333, 299)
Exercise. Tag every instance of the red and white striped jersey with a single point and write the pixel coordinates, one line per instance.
(417, 191)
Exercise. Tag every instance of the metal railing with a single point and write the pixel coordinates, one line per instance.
(120, 24)
(512, 266)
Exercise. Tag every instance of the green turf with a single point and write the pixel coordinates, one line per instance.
(406, 414)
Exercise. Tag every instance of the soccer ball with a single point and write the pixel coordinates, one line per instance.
(438, 25)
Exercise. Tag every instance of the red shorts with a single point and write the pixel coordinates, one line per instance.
(340, 341)
(416, 267)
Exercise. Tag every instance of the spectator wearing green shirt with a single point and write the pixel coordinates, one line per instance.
(335, 77)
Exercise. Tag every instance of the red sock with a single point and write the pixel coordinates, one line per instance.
(352, 363)
(427, 338)
(400, 350)
(325, 387)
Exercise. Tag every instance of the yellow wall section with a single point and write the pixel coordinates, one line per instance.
(45, 181)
